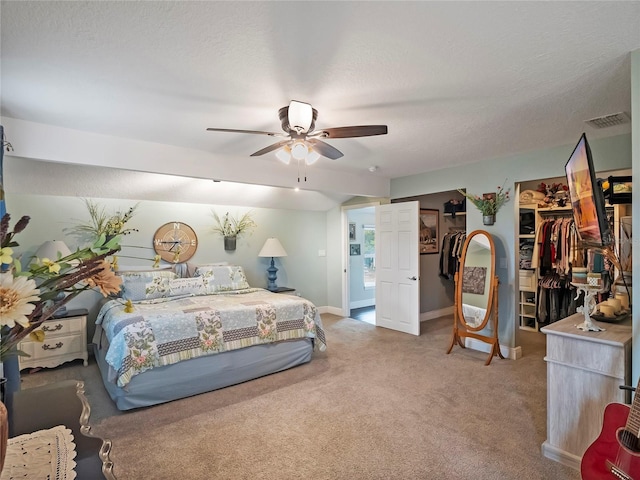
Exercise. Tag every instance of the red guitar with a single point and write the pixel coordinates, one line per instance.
(615, 454)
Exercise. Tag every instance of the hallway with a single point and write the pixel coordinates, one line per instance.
(364, 314)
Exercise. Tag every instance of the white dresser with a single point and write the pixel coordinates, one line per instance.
(65, 340)
(584, 372)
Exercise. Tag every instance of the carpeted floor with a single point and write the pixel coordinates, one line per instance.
(377, 404)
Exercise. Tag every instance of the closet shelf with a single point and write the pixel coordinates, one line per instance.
(458, 214)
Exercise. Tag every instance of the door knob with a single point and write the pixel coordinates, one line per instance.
(413, 278)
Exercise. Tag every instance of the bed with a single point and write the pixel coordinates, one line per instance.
(167, 337)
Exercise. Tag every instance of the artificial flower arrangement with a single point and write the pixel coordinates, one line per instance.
(489, 204)
(228, 226)
(29, 297)
(102, 222)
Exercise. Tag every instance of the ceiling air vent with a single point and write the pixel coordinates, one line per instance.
(609, 120)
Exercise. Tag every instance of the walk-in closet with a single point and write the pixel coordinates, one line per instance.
(549, 249)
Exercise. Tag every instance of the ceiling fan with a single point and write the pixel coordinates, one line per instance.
(301, 141)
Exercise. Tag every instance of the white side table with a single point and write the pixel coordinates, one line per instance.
(65, 340)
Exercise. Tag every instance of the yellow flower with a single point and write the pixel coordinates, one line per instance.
(15, 295)
(6, 255)
(53, 266)
(37, 335)
(128, 307)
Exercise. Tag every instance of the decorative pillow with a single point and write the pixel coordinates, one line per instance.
(146, 285)
(222, 278)
(187, 286)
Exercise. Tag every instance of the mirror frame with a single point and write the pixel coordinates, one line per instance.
(461, 328)
(490, 275)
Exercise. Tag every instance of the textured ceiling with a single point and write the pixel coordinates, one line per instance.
(456, 82)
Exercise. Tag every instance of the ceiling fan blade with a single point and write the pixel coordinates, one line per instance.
(350, 132)
(324, 149)
(270, 148)
(258, 132)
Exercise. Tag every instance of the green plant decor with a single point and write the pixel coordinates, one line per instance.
(229, 226)
(102, 222)
(489, 206)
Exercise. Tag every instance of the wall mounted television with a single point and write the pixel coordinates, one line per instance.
(587, 198)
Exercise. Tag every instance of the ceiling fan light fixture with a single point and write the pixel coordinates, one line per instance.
(299, 150)
(300, 116)
(284, 155)
(312, 157)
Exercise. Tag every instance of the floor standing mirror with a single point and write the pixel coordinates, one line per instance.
(476, 294)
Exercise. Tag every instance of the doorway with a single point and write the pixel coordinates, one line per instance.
(361, 263)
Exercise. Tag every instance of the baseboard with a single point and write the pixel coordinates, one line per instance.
(560, 456)
(508, 352)
(436, 313)
(367, 302)
(332, 310)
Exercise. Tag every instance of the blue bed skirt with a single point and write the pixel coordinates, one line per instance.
(204, 374)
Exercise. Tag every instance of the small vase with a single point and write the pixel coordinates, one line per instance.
(488, 219)
(230, 243)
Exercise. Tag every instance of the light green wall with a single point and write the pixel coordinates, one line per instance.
(301, 233)
(609, 154)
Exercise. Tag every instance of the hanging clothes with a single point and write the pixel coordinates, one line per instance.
(450, 252)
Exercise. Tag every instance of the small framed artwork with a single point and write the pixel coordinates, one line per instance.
(429, 241)
(355, 249)
(352, 232)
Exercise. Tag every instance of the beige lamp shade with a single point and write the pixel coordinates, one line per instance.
(51, 248)
(272, 248)
(54, 249)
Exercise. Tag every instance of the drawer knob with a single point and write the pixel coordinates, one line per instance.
(46, 346)
(52, 329)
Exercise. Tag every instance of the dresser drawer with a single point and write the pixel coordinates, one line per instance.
(64, 326)
(53, 346)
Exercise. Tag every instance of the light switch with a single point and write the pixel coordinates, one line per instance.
(322, 253)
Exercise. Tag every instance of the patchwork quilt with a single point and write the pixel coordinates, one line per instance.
(164, 331)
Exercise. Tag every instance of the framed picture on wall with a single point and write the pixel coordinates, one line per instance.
(428, 230)
(355, 249)
(352, 232)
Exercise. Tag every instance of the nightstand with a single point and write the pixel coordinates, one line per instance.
(65, 340)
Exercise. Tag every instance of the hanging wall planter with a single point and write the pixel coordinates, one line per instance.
(489, 203)
(232, 227)
(230, 243)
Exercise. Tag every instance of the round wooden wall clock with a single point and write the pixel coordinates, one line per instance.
(175, 242)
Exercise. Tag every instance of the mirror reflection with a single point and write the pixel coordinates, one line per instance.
(476, 280)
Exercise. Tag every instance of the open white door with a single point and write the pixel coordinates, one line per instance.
(398, 267)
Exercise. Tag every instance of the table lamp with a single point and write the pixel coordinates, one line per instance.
(54, 249)
(272, 248)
